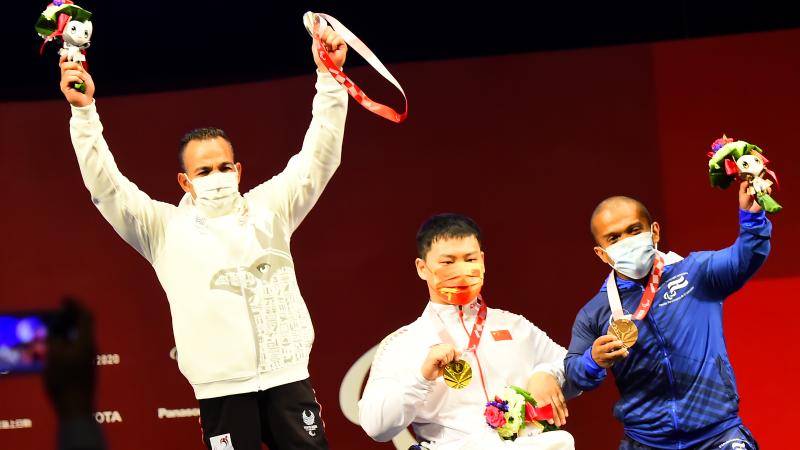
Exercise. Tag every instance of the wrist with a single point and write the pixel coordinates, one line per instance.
(749, 219)
(82, 105)
(422, 377)
(428, 375)
(591, 366)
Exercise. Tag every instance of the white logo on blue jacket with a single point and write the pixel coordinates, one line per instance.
(676, 289)
(673, 286)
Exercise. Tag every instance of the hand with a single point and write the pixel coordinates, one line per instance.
(334, 45)
(607, 350)
(69, 374)
(545, 390)
(438, 357)
(72, 72)
(748, 202)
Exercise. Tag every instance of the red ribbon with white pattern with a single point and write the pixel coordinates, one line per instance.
(315, 23)
(647, 297)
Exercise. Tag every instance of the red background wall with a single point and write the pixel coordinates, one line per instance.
(526, 144)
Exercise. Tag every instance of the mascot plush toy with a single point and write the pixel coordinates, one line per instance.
(68, 21)
(730, 159)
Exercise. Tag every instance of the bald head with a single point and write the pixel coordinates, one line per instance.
(614, 216)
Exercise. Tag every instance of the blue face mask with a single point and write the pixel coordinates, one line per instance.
(634, 256)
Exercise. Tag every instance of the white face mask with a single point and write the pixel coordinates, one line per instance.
(217, 193)
(634, 256)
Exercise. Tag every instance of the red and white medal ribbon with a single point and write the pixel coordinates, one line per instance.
(647, 298)
(315, 23)
(477, 328)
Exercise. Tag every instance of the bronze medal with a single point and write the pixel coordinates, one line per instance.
(624, 330)
(457, 374)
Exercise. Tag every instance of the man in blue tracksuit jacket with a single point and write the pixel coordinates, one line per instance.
(676, 384)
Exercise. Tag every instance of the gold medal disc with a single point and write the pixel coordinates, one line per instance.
(457, 374)
(624, 330)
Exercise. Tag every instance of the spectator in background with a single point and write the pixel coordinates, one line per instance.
(69, 378)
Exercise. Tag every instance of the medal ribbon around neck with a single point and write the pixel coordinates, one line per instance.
(315, 23)
(647, 297)
(458, 373)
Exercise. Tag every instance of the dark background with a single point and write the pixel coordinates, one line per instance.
(526, 142)
(157, 46)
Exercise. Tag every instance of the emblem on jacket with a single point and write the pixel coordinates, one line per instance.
(269, 288)
(260, 272)
(674, 285)
(309, 420)
(221, 442)
(676, 289)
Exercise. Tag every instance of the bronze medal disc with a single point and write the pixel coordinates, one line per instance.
(457, 374)
(624, 330)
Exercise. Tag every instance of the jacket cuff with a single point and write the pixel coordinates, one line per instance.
(86, 113)
(551, 369)
(326, 83)
(749, 220)
(592, 369)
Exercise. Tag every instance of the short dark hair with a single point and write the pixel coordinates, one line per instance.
(445, 226)
(617, 199)
(200, 134)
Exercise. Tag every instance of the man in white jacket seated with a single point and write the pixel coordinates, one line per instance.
(406, 384)
(241, 327)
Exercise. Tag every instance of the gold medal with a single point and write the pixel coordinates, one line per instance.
(457, 374)
(624, 330)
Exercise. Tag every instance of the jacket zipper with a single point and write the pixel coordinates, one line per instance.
(480, 369)
(670, 376)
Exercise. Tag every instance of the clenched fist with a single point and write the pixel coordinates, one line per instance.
(607, 350)
(71, 73)
(438, 357)
(334, 45)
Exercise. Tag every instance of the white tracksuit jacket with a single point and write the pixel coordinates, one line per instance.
(239, 321)
(397, 395)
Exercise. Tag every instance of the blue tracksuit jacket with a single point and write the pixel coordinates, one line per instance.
(677, 387)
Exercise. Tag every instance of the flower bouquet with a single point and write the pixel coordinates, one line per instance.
(513, 410)
(729, 159)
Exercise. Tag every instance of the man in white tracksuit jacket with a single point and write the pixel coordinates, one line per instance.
(405, 385)
(241, 327)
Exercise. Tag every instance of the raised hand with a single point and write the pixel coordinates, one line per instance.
(438, 357)
(334, 45)
(607, 350)
(72, 72)
(748, 202)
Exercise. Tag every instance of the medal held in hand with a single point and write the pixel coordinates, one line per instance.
(624, 330)
(621, 326)
(315, 24)
(457, 374)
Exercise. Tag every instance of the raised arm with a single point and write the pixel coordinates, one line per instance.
(137, 218)
(728, 269)
(293, 192)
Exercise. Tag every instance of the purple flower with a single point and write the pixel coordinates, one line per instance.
(719, 143)
(501, 405)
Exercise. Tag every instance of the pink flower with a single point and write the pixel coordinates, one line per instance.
(494, 417)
